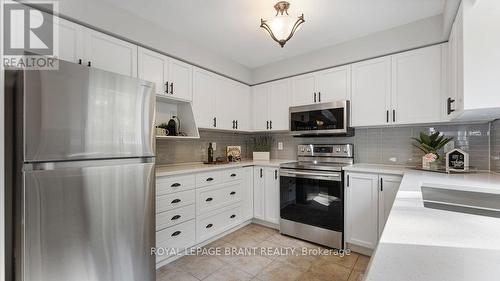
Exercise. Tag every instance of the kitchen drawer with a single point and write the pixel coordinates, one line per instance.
(215, 197)
(208, 178)
(175, 216)
(166, 185)
(215, 223)
(232, 174)
(176, 237)
(174, 200)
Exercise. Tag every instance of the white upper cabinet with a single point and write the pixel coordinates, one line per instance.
(243, 108)
(260, 107)
(323, 86)
(180, 79)
(205, 87)
(270, 106)
(334, 84)
(417, 86)
(371, 92)
(153, 67)
(70, 41)
(171, 77)
(110, 53)
(226, 104)
(303, 90)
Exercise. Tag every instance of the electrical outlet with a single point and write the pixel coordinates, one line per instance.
(214, 146)
(280, 145)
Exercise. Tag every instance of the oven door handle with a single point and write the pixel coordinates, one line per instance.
(311, 175)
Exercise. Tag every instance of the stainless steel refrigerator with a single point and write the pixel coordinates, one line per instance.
(82, 166)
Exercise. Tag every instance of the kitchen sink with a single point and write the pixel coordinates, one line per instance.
(470, 202)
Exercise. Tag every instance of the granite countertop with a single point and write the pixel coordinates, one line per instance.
(176, 169)
(420, 243)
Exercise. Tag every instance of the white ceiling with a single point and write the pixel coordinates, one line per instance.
(231, 27)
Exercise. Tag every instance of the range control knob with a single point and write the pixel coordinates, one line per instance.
(338, 150)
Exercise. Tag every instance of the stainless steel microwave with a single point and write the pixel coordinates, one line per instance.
(321, 119)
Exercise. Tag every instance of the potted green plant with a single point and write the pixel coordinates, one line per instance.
(262, 147)
(430, 144)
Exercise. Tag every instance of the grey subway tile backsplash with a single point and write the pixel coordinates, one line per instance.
(391, 146)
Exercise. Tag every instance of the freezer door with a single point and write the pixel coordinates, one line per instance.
(89, 223)
(78, 112)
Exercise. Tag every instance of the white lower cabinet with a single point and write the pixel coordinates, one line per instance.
(193, 208)
(266, 194)
(368, 201)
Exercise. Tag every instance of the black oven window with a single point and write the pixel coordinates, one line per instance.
(313, 202)
(327, 119)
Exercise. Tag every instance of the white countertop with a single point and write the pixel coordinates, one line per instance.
(176, 169)
(419, 243)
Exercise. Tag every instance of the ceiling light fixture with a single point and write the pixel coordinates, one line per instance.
(282, 26)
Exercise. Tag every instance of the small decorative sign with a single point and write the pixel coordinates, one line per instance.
(457, 160)
(233, 153)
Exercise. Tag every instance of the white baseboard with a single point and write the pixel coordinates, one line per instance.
(266, 223)
(180, 255)
(359, 249)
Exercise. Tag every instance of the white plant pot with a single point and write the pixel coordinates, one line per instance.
(261, 156)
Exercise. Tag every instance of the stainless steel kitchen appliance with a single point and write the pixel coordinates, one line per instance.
(312, 194)
(321, 119)
(83, 174)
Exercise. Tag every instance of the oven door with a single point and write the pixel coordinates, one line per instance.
(312, 197)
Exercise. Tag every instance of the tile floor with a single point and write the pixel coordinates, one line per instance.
(264, 266)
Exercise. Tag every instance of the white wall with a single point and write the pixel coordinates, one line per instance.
(120, 22)
(417, 34)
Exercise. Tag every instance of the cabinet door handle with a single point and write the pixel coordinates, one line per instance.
(172, 88)
(448, 105)
(314, 96)
(236, 124)
(261, 172)
(233, 175)
(387, 116)
(394, 115)
(381, 184)
(79, 61)
(267, 124)
(209, 199)
(271, 124)
(175, 201)
(348, 180)
(232, 216)
(215, 122)
(176, 217)
(275, 174)
(319, 96)
(89, 64)
(232, 193)
(175, 184)
(166, 87)
(209, 225)
(210, 179)
(175, 233)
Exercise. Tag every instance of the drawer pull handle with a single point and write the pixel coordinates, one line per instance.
(176, 233)
(176, 217)
(210, 179)
(232, 193)
(233, 175)
(176, 201)
(209, 225)
(175, 184)
(209, 199)
(232, 216)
